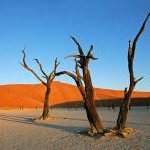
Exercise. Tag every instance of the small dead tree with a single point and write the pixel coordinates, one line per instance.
(85, 86)
(47, 82)
(122, 116)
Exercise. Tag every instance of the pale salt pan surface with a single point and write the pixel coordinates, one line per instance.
(17, 132)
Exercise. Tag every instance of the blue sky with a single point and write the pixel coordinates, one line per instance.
(44, 26)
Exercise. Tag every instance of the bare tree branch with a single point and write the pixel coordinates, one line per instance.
(139, 79)
(125, 91)
(29, 69)
(78, 44)
(53, 73)
(67, 73)
(122, 116)
(139, 34)
(130, 63)
(40, 66)
(86, 90)
(79, 79)
(90, 55)
(129, 49)
(49, 79)
(75, 56)
(77, 70)
(90, 50)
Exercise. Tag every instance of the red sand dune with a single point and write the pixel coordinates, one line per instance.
(32, 95)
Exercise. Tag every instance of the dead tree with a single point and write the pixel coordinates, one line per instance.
(85, 86)
(122, 116)
(47, 82)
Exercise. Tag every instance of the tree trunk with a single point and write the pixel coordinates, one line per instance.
(85, 86)
(89, 103)
(122, 118)
(123, 112)
(46, 104)
(92, 116)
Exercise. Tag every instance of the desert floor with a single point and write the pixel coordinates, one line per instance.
(17, 131)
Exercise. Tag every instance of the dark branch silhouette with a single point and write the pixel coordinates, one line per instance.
(85, 86)
(47, 83)
(122, 116)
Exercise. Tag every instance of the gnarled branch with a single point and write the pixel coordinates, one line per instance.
(75, 56)
(139, 34)
(131, 51)
(90, 55)
(79, 79)
(139, 79)
(78, 44)
(53, 73)
(67, 73)
(24, 64)
(122, 117)
(41, 68)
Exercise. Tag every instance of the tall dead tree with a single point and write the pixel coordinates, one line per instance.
(47, 82)
(122, 116)
(85, 86)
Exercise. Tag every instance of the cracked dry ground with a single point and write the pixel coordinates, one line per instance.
(17, 131)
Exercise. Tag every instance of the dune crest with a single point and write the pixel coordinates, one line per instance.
(32, 95)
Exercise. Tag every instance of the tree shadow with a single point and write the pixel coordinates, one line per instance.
(29, 121)
(130, 123)
(31, 117)
(69, 118)
(73, 129)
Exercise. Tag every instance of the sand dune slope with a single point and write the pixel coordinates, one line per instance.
(32, 95)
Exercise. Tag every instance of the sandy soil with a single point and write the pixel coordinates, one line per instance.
(17, 131)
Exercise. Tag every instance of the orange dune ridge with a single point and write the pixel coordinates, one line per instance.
(32, 95)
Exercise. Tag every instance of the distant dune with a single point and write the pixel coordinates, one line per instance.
(32, 95)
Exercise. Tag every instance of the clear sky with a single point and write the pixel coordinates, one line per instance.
(44, 26)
